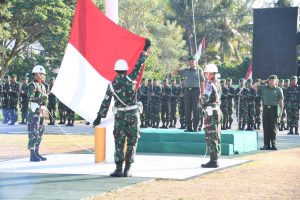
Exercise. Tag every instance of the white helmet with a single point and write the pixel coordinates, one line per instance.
(121, 65)
(38, 69)
(211, 68)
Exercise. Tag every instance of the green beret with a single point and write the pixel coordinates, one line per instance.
(273, 76)
(249, 80)
(154, 79)
(7, 76)
(229, 79)
(54, 78)
(242, 80)
(294, 78)
(25, 78)
(281, 81)
(223, 81)
(14, 76)
(191, 58)
(287, 80)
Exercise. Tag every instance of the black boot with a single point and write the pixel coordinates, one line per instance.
(72, 122)
(118, 171)
(174, 124)
(254, 126)
(167, 125)
(240, 126)
(281, 127)
(291, 131)
(142, 124)
(163, 126)
(69, 123)
(37, 153)
(33, 156)
(211, 164)
(243, 126)
(127, 172)
(258, 126)
(296, 131)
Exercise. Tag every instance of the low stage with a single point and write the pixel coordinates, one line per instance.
(177, 141)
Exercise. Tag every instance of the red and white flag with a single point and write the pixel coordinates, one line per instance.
(95, 44)
(249, 72)
(200, 48)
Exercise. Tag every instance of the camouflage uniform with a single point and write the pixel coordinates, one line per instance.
(13, 100)
(24, 100)
(143, 97)
(251, 105)
(230, 104)
(224, 104)
(62, 112)
(293, 105)
(37, 95)
(212, 121)
(155, 105)
(5, 100)
(52, 101)
(174, 97)
(284, 115)
(242, 105)
(70, 115)
(127, 123)
(149, 103)
(181, 107)
(258, 109)
(165, 104)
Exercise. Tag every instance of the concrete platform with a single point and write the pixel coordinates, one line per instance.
(153, 166)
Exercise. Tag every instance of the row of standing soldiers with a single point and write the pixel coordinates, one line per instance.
(13, 96)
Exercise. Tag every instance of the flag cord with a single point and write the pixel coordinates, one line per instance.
(76, 143)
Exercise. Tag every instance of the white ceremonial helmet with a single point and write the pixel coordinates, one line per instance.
(121, 65)
(211, 68)
(38, 69)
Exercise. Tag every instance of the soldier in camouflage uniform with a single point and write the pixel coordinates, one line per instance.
(149, 103)
(155, 104)
(174, 97)
(181, 106)
(224, 104)
(282, 120)
(14, 99)
(127, 116)
(62, 108)
(212, 120)
(251, 105)
(52, 100)
(242, 104)
(293, 105)
(5, 99)
(165, 104)
(70, 115)
(24, 100)
(37, 95)
(258, 108)
(230, 102)
(143, 97)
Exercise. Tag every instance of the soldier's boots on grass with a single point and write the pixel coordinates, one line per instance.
(211, 164)
(118, 171)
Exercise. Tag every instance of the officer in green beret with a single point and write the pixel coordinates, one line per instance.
(193, 90)
(272, 110)
(293, 105)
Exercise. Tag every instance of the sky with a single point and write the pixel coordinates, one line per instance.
(260, 3)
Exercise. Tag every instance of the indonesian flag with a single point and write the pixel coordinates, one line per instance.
(201, 46)
(95, 44)
(249, 72)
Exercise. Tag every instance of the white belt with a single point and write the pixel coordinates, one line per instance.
(128, 108)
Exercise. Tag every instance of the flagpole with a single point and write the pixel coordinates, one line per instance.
(193, 11)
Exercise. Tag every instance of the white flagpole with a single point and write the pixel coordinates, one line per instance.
(112, 12)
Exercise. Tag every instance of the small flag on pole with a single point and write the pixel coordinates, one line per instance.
(249, 72)
(200, 48)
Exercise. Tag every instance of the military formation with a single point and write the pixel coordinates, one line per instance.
(14, 102)
(164, 104)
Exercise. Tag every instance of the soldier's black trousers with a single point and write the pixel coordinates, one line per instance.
(191, 96)
(270, 125)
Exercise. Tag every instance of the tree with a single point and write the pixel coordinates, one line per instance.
(283, 3)
(31, 21)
